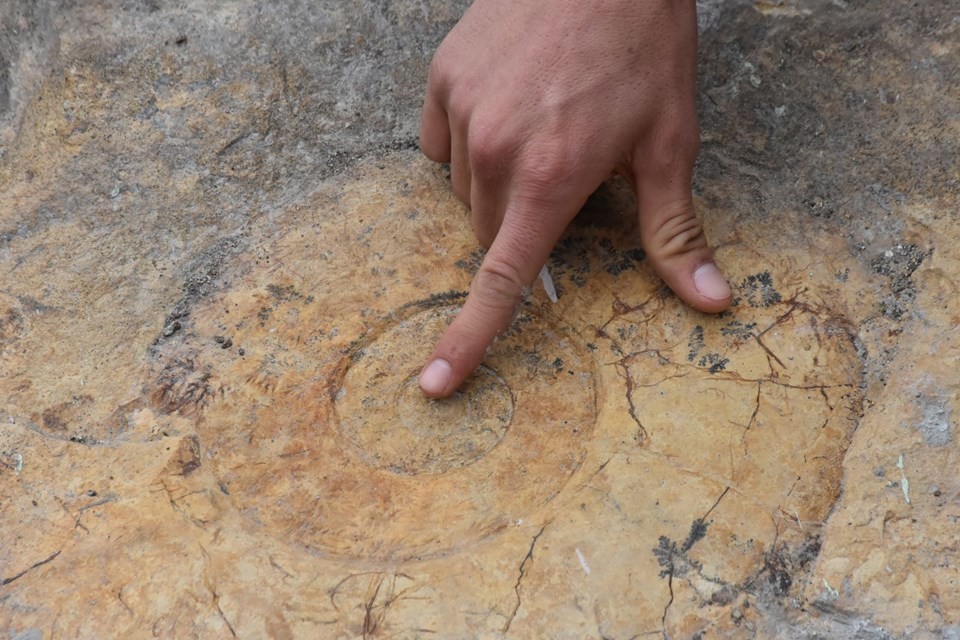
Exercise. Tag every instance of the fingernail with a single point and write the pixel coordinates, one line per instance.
(710, 282)
(435, 377)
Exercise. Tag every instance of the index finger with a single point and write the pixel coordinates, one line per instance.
(521, 248)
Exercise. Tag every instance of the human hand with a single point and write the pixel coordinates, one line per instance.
(534, 104)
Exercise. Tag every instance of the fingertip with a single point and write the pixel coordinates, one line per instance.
(435, 379)
(710, 283)
(712, 288)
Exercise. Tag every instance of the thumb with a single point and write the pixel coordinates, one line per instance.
(676, 245)
(513, 262)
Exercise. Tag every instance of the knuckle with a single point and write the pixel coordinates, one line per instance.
(460, 102)
(680, 232)
(498, 284)
(488, 149)
(437, 72)
(455, 91)
(542, 170)
(674, 146)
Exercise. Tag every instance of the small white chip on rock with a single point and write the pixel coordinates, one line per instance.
(583, 561)
(548, 283)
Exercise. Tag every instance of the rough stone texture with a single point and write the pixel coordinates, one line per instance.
(223, 259)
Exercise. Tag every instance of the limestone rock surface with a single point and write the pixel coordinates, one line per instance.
(222, 261)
